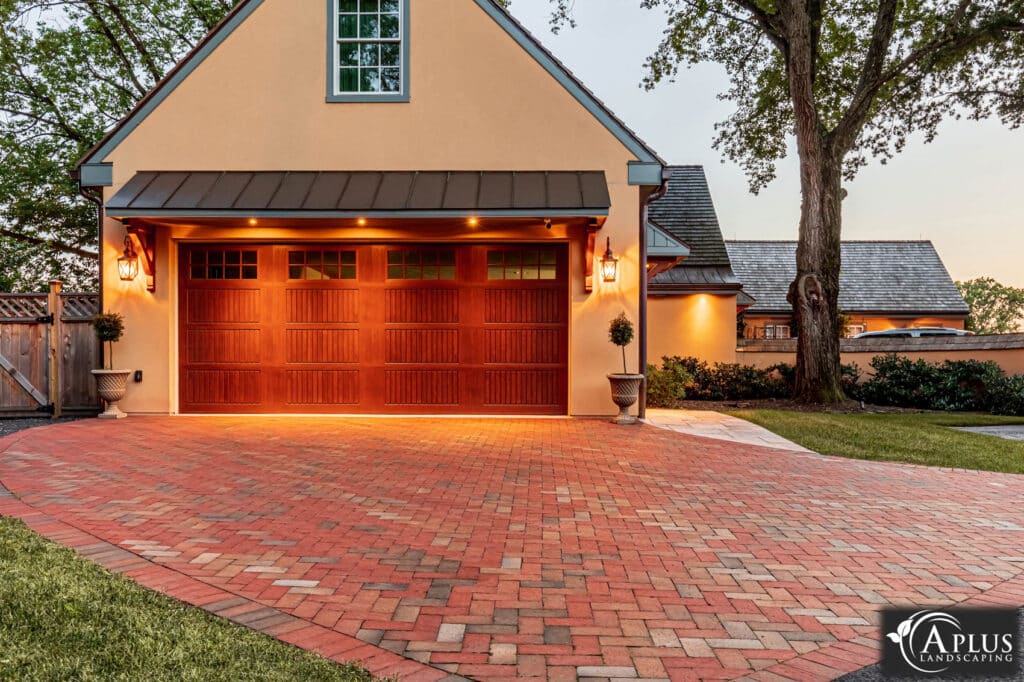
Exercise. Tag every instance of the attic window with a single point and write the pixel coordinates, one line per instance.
(369, 51)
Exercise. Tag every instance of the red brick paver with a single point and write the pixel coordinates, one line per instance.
(545, 549)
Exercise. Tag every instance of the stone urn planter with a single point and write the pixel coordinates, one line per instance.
(112, 387)
(111, 384)
(625, 386)
(625, 393)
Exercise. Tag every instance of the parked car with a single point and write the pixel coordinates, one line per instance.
(914, 333)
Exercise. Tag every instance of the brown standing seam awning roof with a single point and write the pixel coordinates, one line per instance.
(325, 194)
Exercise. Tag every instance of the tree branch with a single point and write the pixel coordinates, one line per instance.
(54, 244)
(846, 131)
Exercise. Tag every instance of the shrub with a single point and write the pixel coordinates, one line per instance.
(954, 385)
(666, 386)
(1007, 396)
(726, 381)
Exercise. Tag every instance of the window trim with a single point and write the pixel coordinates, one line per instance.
(332, 67)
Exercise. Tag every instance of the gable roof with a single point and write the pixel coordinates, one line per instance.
(661, 243)
(687, 213)
(898, 277)
(245, 8)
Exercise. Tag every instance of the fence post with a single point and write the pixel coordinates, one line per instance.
(56, 336)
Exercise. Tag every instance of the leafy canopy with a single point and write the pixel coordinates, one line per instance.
(69, 70)
(882, 69)
(995, 308)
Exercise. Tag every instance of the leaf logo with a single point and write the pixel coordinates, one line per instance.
(905, 632)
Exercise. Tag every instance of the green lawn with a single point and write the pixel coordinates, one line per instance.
(65, 618)
(912, 438)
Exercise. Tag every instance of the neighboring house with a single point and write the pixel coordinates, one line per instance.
(391, 211)
(692, 306)
(883, 284)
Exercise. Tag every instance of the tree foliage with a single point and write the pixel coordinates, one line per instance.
(995, 308)
(69, 70)
(848, 80)
(881, 70)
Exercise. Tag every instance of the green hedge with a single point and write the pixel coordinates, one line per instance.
(953, 386)
(963, 385)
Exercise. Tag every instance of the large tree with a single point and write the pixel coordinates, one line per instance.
(847, 79)
(70, 69)
(995, 308)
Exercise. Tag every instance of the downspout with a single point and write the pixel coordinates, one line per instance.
(95, 196)
(644, 205)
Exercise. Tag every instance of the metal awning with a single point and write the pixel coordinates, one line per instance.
(341, 194)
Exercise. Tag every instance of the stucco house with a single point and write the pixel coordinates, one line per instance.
(338, 207)
(883, 285)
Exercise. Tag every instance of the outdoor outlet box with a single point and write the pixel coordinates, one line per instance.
(138, 376)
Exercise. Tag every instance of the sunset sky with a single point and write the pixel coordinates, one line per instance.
(965, 191)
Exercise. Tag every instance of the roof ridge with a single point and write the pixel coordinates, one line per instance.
(845, 241)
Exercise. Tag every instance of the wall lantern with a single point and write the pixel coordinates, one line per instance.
(128, 264)
(609, 264)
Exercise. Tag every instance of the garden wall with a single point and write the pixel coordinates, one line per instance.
(1005, 349)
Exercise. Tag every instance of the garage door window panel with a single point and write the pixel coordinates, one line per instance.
(220, 264)
(322, 265)
(422, 264)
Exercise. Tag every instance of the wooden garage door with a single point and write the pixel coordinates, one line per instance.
(374, 329)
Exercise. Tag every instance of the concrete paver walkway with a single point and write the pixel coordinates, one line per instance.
(1009, 432)
(709, 424)
(537, 549)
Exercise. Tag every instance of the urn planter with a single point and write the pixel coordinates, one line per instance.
(625, 393)
(112, 386)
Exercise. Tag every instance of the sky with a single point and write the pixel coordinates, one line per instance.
(964, 191)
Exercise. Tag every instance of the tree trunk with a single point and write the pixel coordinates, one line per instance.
(815, 291)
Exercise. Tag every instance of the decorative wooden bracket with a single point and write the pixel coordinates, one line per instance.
(590, 237)
(144, 241)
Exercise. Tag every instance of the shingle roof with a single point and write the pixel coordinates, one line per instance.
(688, 214)
(877, 277)
(174, 193)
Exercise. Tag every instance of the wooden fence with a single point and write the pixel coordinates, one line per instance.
(47, 349)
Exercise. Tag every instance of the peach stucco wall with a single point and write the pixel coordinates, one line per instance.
(701, 325)
(1011, 360)
(478, 102)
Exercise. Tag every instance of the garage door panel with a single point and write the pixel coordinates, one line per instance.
(418, 388)
(322, 387)
(421, 346)
(380, 328)
(322, 346)
(224, 306)
(523, 346)
(511, 306)
(421, 306)
(517, 388)
(322, 306)
(223, 387)
(224, 346)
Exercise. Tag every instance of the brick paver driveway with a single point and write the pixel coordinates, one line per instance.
(534, 548)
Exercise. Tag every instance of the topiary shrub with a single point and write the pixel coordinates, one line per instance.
(109, 328)
(666, 385)
(620, 332)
